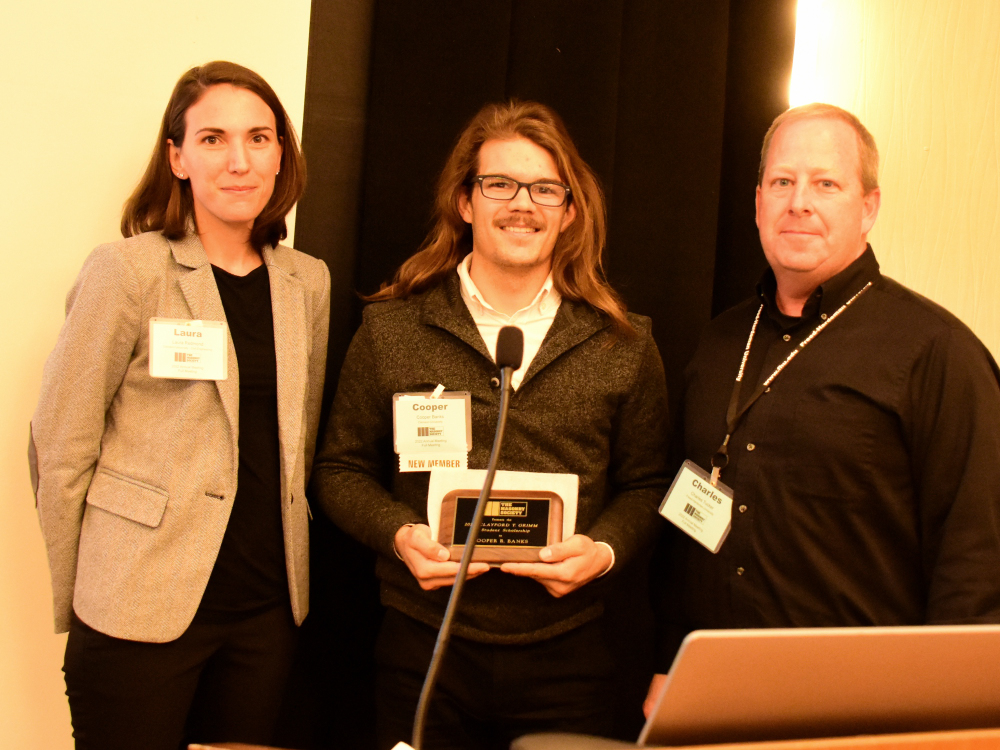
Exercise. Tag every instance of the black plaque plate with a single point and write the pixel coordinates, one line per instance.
(516, 525)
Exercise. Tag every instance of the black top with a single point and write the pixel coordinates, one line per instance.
(249, 574)
(867, 480)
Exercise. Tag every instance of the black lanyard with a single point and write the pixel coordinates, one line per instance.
(734, 414)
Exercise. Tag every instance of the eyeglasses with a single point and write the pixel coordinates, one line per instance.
(499, 187)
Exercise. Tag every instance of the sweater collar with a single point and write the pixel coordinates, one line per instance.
(443, 307)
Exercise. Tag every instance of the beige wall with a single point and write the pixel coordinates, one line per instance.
(923, 75)
(83, 86)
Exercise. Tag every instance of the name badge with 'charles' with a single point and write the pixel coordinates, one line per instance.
(702, 510)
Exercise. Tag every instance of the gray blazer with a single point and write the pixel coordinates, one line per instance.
(135, 476)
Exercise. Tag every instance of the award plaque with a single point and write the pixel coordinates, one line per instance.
(517, 524)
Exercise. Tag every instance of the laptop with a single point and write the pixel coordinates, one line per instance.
(798, 683)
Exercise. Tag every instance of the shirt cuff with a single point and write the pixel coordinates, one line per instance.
(612, 563)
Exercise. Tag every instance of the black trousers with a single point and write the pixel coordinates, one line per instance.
(487, 695)
(221, 681)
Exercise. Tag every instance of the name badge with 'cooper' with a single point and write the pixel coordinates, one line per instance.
(188, 349)
(432, 430)
(702, 510)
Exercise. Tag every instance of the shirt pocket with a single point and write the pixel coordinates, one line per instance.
(835, 435)
(127, 497)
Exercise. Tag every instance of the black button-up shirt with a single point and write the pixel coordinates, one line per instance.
(867, 479)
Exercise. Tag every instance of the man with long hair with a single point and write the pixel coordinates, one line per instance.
(517, 240)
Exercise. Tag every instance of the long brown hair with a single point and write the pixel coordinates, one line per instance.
(577, 270)
(162, 202)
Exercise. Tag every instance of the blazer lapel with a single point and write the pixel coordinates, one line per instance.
(574, 322)
(202, 297)
(443, 307)
(288, 305)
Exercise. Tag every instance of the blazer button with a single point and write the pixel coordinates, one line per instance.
(494, 382)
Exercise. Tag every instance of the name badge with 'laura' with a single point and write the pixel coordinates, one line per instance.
(188, 349)
(698, 508)
(432, 430)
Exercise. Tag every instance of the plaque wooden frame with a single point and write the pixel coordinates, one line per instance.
(494, 553)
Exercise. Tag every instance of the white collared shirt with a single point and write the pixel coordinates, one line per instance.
(534, 320)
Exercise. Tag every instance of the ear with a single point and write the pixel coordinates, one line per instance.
(869, 211)
(465, 206)
(174, 157)
(568, 217)
(756, 206)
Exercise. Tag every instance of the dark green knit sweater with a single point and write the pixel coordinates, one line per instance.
(583, 407)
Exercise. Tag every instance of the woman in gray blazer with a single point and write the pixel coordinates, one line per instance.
(174, 435)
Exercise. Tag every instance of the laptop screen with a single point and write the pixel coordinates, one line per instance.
(797, 683)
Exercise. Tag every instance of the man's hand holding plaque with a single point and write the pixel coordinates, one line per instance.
(427, 560)
(563, 568)
(566, 566)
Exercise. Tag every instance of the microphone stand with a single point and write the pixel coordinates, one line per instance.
(444, 634)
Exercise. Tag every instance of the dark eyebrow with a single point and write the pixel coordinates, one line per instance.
(220, 131)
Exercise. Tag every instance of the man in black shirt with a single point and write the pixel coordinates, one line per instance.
(862, 440)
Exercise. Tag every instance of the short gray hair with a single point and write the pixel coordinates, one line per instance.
(867, 149)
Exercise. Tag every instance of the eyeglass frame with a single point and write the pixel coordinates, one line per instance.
(479, 179)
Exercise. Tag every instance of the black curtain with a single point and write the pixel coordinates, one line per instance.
(667, 100)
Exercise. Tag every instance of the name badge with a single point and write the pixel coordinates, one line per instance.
(698, 508)
(432, 430)
(188, 349)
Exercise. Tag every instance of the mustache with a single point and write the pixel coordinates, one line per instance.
(527, 222)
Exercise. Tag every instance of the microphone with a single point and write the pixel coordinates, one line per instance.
(510, 351)
(510, 348)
